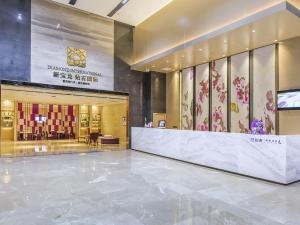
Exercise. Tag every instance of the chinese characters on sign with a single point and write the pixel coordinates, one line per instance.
(74, 76)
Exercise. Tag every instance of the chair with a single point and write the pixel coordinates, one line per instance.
(53, 135)
(20, 136)
(38, 137)
(29, 137)
(66, 135)
(94, 138)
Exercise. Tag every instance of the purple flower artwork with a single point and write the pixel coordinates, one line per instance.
(257, 127)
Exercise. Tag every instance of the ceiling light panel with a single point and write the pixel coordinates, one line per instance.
(117, 8)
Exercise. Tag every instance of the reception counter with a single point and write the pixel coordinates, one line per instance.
(268, 157)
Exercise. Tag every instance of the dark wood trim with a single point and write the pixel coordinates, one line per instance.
(210, 96)
(180, 99)
(276, 88)
(194, 97)
(1, 124)
(250, 88)
(229, 94)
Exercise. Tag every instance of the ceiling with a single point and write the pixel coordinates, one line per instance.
(270, 25)
(51, 96)
(133, 13)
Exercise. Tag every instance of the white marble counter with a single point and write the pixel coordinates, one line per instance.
(269, 157)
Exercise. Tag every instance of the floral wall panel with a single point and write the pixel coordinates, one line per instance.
(240, 93)
(219, 95)
(187, 89)
(264, 88)
(202, 97)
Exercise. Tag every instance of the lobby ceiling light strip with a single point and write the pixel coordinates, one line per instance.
(117, 8)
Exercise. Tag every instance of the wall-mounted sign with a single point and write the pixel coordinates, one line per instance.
(74, 76)
(77, 54)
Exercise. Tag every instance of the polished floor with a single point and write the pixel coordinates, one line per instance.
(52, 147)
(133, 188)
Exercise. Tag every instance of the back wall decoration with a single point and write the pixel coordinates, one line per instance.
(219, 95)
(187, 78)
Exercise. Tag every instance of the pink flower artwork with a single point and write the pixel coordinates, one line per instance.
(218, 84)
(269, 112)
(202, 96)
(218, 120)
(241, 90)
(270, 105)
(204, 125)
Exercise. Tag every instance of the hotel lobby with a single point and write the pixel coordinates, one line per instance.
(161, 112)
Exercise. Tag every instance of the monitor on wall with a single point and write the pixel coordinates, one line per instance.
(162, 124)
(288, 100)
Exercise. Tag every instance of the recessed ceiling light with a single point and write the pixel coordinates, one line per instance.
(253, 31)
(247, 48)
(20, 16)
(200, 49)
(166, 69)
(275, 40)
(118, 7)
(225, 41)
(182, 56)
(153, 66)
(224, 55)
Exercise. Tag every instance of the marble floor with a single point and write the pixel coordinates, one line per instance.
(52, 147)
(133, 188)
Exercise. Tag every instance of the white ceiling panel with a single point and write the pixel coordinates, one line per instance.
(133, 13)
(136, 11)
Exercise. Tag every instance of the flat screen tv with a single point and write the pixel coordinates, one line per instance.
(288, 100)
(40, 119)
(162, 124)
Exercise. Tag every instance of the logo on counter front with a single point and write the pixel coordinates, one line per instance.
(76, 57)
(266, 140)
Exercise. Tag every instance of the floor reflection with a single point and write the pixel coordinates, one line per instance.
(133, 188)
(51, 147)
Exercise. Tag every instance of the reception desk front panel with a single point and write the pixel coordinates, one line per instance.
(269, 157)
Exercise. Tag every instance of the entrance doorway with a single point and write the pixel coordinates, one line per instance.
(39, 120)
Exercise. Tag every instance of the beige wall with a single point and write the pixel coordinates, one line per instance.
(186, 20)
(173, 99)
(289, 78)
(112, 123)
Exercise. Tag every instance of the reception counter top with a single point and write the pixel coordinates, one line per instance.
(269, 157)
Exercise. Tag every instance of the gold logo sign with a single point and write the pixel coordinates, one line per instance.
(76, 57)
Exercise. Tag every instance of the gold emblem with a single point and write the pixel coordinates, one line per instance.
(234, 107)
(76, 57)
